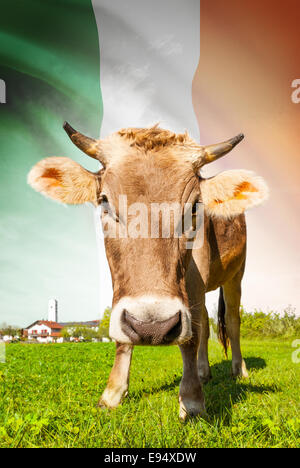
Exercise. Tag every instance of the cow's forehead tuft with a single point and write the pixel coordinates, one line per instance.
(154, 137)
(153, 145)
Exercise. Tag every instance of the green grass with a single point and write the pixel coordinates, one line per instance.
(49, 395)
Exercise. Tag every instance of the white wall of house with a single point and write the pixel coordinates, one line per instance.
(35, 330)
(38, 329)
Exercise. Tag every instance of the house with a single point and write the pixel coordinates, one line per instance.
(93, 324)
(70, 327)
(8, 338)
(44, 331)
(51, 331)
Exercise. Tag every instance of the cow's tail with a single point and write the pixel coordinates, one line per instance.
(222, 334)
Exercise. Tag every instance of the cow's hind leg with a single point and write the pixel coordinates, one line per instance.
(232, 298)
(118, 381)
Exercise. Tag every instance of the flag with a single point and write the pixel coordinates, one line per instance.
(50, 64)
(103, 65)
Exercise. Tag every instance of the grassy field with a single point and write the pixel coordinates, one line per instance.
(49, 394)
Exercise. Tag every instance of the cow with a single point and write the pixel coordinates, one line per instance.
(159, 282)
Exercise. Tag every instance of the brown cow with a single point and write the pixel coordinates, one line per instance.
(159, 284)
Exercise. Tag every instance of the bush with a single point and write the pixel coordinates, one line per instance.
(271, 324)
(261, 324)
(103, 331)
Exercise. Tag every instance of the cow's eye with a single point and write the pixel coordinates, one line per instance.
(104, 204)
(106, 208)
(103, 199)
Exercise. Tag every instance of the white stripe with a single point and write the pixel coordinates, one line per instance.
(149, 52)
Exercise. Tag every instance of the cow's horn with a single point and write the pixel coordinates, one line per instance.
(212, 152)
(88, 145)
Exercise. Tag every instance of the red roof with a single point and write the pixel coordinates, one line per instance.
(50, 324)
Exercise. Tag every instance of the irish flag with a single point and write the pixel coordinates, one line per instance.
(107, 64)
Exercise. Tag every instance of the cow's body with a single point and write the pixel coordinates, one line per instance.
(159, 283)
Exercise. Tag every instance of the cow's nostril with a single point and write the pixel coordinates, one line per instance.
(127, 325)
(174, 332)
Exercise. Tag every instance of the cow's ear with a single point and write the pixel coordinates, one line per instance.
(64, 180)
(230, 193)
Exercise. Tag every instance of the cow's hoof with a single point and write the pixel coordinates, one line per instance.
(190, 408)
(111, 398)
(104, 404)
(239, 370)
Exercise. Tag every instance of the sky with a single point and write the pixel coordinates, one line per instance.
(215, 69)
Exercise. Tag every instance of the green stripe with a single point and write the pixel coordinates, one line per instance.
(49, 60)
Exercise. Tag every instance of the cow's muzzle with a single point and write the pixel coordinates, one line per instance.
(151, 332)
(150, 320)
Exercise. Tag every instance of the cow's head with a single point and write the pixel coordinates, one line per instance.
(156, 169)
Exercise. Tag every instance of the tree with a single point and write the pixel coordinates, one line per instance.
(10, 330)
(88, 334)
(65, 334)
(84, 333)
(103, 331)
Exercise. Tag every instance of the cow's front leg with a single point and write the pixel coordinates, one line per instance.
(203, 364)
(191, 398)
(118, 381)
